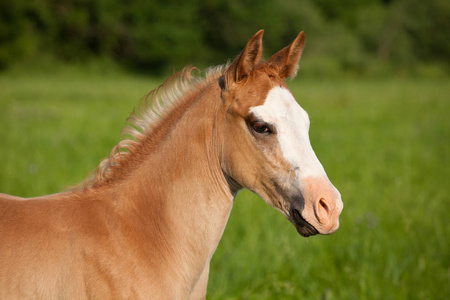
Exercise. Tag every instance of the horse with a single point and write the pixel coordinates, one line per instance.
(148, 222)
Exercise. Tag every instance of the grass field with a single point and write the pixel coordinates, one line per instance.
(384, 144)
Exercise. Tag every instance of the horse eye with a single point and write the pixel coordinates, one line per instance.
(261, 127)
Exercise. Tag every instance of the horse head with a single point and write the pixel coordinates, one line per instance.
(266, 141)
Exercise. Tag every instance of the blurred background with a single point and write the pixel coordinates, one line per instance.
(373, 37)
(374, 79)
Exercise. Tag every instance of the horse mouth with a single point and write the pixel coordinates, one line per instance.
(304, 228)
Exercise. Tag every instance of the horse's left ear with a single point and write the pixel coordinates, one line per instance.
(247, 60)
(285, 61)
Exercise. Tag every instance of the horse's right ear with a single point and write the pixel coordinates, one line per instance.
(285, 61)
(246, 61)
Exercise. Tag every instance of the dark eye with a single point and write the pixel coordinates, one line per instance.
(261, 127)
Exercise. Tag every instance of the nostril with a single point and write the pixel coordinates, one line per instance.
(324, 205)
(323, 212)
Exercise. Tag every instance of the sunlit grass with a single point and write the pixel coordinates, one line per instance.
(383, 143)
(56, 128)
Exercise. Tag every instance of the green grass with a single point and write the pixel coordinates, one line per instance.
(383, 143)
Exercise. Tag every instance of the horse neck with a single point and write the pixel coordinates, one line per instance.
(180, 190)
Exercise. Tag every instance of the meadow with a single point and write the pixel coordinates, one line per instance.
(383, 142)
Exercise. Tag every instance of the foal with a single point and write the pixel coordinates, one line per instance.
(148, 224)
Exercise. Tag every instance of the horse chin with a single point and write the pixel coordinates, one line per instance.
(304, 228)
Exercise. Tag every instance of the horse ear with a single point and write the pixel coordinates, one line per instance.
(285, 61)
(247, 60)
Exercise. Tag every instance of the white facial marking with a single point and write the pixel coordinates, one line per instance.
(292, 124)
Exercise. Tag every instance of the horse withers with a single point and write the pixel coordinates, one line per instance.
(147, 225)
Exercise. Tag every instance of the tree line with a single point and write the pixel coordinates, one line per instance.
(153, 35)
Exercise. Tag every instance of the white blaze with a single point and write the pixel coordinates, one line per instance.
(292, 124)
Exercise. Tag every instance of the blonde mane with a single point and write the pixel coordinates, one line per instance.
(149, 122)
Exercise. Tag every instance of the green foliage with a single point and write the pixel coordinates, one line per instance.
(383, 143)
(153, 36)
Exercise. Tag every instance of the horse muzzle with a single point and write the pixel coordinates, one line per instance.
(318, 208)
